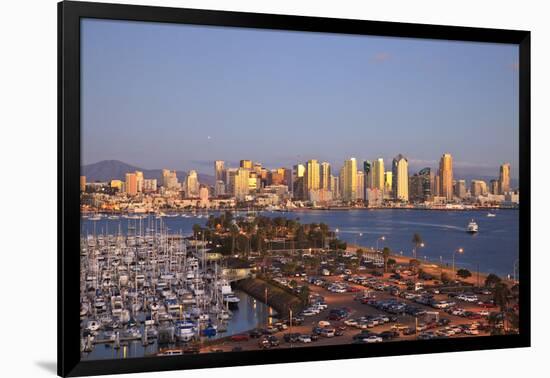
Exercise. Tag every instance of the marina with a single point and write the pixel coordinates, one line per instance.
(146, 289)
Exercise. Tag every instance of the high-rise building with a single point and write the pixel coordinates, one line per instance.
(203, 195)
(367, 169)
(192, 184)
(360, 185)
(277, 177)
(230, 180)
(169, 179)
(298, 184)
(219, 170)
(388, 184)
(325, 176)
(494, 187)
(460, 189)
(219, 188)
(335, 186)
(82, 183)
(254, 181)
(446, 177)
(139, 180)
(349, 180)
(246, 164)
(149, 185)
(400, 178)
(241, 185)
(131, 184)
(313, 177)
(478, 188)
(504, 178)
(378, 174)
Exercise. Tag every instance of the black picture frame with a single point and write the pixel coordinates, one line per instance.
(69, 15)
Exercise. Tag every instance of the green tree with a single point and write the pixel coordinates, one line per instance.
(463, 273)
(234, 230)
(501, 294)
(492, 280)
(196, 230)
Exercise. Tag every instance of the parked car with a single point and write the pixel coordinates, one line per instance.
(304, 339)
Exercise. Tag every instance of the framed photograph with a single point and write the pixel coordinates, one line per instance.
(239, 188)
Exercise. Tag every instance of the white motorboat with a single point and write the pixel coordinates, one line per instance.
(472, 227)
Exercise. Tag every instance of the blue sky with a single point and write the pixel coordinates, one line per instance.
(178, 96)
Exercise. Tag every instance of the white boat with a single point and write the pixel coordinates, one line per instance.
(472, 227)
(491, 215)
(93, 325)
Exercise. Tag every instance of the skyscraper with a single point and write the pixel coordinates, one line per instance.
(313, 176)
(335, 186)
(388, 182)
(246, 164)
(367, 168)
(169, 179)
(446, 177)
(325, 176)
(241, 185)
(139, 181)
(349, 180)
(378, 174)
(460, 189)
(219, 170)
(131, 184)
(360, 185)
(192, 184)
(504, 178)
(298, 184)
(400, 178)
(478, 188)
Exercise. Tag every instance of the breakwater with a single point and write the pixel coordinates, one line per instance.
(278, 298)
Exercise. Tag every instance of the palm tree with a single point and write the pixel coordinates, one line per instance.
(196, 230)
(501, 292)
(386, 254)
(417, 241)
(234, 229)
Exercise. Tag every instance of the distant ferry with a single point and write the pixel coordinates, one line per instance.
(472, 227)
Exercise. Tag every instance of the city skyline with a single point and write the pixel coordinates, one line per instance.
(418, 98)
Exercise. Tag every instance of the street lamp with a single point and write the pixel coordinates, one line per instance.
(460, 250)
(421, 245)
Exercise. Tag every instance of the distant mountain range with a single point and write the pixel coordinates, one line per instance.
(107, 170)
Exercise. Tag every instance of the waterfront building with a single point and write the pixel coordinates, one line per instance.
(131, 184)
(169, 179)
(241, 183)
(478, 188)
(504, 178)
(298, 184)
(446, 177)
(246, 164)
(416, 188)
(335, 186)
(82, 183)
(460, 189)
(400, 184)
(312, 176)
(378, 174)
(320, 196)
(367, 169)
(203, 196)
(360, 185)
(325, 176)
(388, 183)
(149, 185)
(349, 180)
(219, 170)
(374, 197)
(192, 184)
(281, 191)
(287, 174)
(494, 187)
(276, 177)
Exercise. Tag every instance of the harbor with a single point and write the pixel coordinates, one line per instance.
(146, 289)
